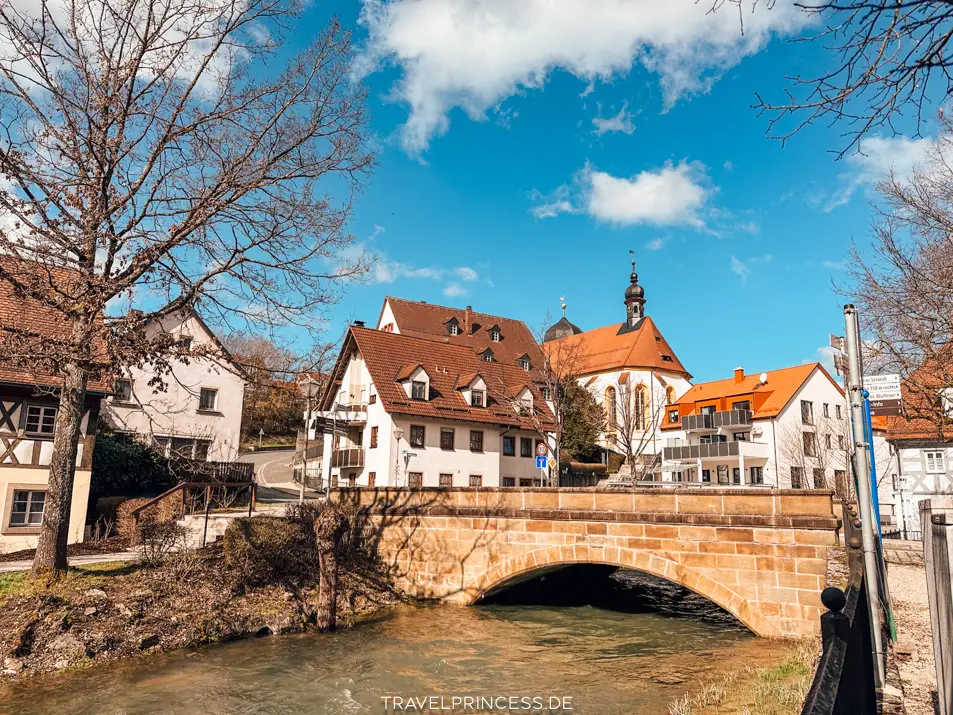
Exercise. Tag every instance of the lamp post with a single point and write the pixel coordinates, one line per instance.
(399, 435)
(309, 388)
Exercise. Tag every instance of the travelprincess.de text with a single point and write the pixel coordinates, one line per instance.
(477, 703)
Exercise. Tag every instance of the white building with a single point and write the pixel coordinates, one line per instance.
(630, 369)
(199, 413)
(402, 410)
(784, 428)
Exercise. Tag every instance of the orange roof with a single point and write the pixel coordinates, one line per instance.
(613, 348)
(768, 399)
(386, 356)
(429, 321)
(924, 417)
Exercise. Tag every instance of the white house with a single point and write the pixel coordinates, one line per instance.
(401, 410)
(199, 413)
(630, 369)
(784, 428)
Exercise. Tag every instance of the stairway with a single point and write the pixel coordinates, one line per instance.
(218, 523)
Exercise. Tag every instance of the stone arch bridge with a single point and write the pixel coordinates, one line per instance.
(760, 554)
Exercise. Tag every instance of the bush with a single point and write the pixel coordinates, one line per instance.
(157, 540)
(266, 550)
(164, 512)
(123, 466)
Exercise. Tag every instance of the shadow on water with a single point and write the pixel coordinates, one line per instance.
(611, 589)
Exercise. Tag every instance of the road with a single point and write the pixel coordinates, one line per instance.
(274, 475)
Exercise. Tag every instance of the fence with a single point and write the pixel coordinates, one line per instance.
(844, 681)
(313, 479)
(936, 520)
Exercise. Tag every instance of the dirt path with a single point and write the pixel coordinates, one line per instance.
(908, 589)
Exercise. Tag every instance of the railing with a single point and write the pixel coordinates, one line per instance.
(701, 451)
(313, 480)
(349, 457)
(844, 681)
(725, 418)
(193, 470)
(903, 534)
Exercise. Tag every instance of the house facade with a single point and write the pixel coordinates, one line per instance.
(783, 428)
(199, 413)
(28, 411)
(630, 369)
(408, 411)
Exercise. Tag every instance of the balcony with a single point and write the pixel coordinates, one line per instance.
(350, 457)
(714, 422)
(351, 413)
(713, 450)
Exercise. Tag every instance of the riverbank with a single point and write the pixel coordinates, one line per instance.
(113, 611)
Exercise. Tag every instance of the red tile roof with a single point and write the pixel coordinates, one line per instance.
(923, 417)
(611, 348)
(767, 399)
(45, 329)
(449, 366)
(426, 320)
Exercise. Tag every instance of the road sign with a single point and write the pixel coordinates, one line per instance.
(837, 343)
(542, 462)
(884, 408)
(882, 387)
(541, 449)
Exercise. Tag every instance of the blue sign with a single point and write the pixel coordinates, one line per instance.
(542, 462)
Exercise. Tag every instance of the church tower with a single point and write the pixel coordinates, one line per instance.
(634, 300)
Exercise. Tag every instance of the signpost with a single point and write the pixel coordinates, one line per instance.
(884, 394)
(542, 462)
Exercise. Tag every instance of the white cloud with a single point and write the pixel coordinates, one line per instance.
(834, 265)
(466, 273)
(454, 290)
(655, 244)
(621, 122)
(739, 268)
(877, 157)
(674, 194)
(729, 165)
(473, 55)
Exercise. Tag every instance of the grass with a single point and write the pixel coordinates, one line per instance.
(18, 583)
(777, 690)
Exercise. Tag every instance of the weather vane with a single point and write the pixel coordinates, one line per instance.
(562, 300)
(632, 253)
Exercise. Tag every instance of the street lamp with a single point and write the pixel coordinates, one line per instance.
(310, 389)
(399, 435)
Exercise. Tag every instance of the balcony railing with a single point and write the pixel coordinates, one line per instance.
(701, 451)
(726, 418)
(350, 457)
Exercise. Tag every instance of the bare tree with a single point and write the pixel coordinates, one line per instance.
(820, 452)
(151, 155)
(639, 414)
(903, 285)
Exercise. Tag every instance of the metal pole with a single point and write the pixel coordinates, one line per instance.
(304, 464)
(874, 493)
(864, 502)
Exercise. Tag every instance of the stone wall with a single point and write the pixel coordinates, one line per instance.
(760, 554)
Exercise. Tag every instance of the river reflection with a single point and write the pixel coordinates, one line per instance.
(607, 661)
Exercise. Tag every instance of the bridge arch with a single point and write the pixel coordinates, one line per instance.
(650, 563)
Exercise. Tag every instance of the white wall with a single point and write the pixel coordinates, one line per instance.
(174, 412)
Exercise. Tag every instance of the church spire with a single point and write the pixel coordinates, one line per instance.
(634, 298)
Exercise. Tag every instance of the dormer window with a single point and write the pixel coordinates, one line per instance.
(524, 363)
(418, 390)
(495, 334)
(487, 355)
(547, 393)
(477, 398)
(453, 327)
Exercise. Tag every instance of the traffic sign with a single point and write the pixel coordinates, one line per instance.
(882, 387)
(542, 462)
(838, 343)
(541, 449)
(884, 408)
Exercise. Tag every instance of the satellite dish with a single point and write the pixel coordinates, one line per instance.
(764, 378)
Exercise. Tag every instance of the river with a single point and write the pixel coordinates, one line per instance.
(630, 655)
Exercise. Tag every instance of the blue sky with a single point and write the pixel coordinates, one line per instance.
(523, 150)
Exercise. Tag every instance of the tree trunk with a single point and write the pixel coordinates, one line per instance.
(329, 528)
(50, 559)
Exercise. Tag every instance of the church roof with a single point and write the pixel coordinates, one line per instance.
(561, 329)
(615, 347)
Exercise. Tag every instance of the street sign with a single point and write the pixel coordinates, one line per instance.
(837, 343)
(840, 364)
(885, 408)
(882, 387)
(541, 449)
(542, 462)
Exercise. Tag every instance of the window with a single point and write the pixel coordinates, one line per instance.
(706, 476)
(509, 446)
(828, 441)
(713, 438)
(476, 441)
(358, 439)
(819, 481)
(707, 410)
(27, 508)
(610, 407)
(477, 398)
(418, 390)
(351, 480)
(641, 408)
(757, 475)
(487, 355)
(669, 395)
(40, 420)
(827, 410)
(372, 400)
(475, 479)
(741, 436)
(202, 447)
(807, 412)
(722, 471)
(525, 406)
(524, 363)
(672, 416)
(810, 444)
(446, 438)
(797, 478)
(373, 437)
(495, 335)
(934, 461)
(122, 391)
(208, 398)
(371, 478)
(417, 433)
(526, 447)
(840, 441)
(736, 475)
(415, 480)
(837, 412)
(547, 393)
(509, 481)
(454, 329)
(840, 481)
(895, 482)
(446, 481)
(741, 405)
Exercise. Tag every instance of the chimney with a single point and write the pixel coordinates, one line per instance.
(358, 323)
(467, 318)
(739, 375)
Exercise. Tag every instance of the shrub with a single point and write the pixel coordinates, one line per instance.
(265, 550)
(124, 466)
(163, 512)
(157, 540)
